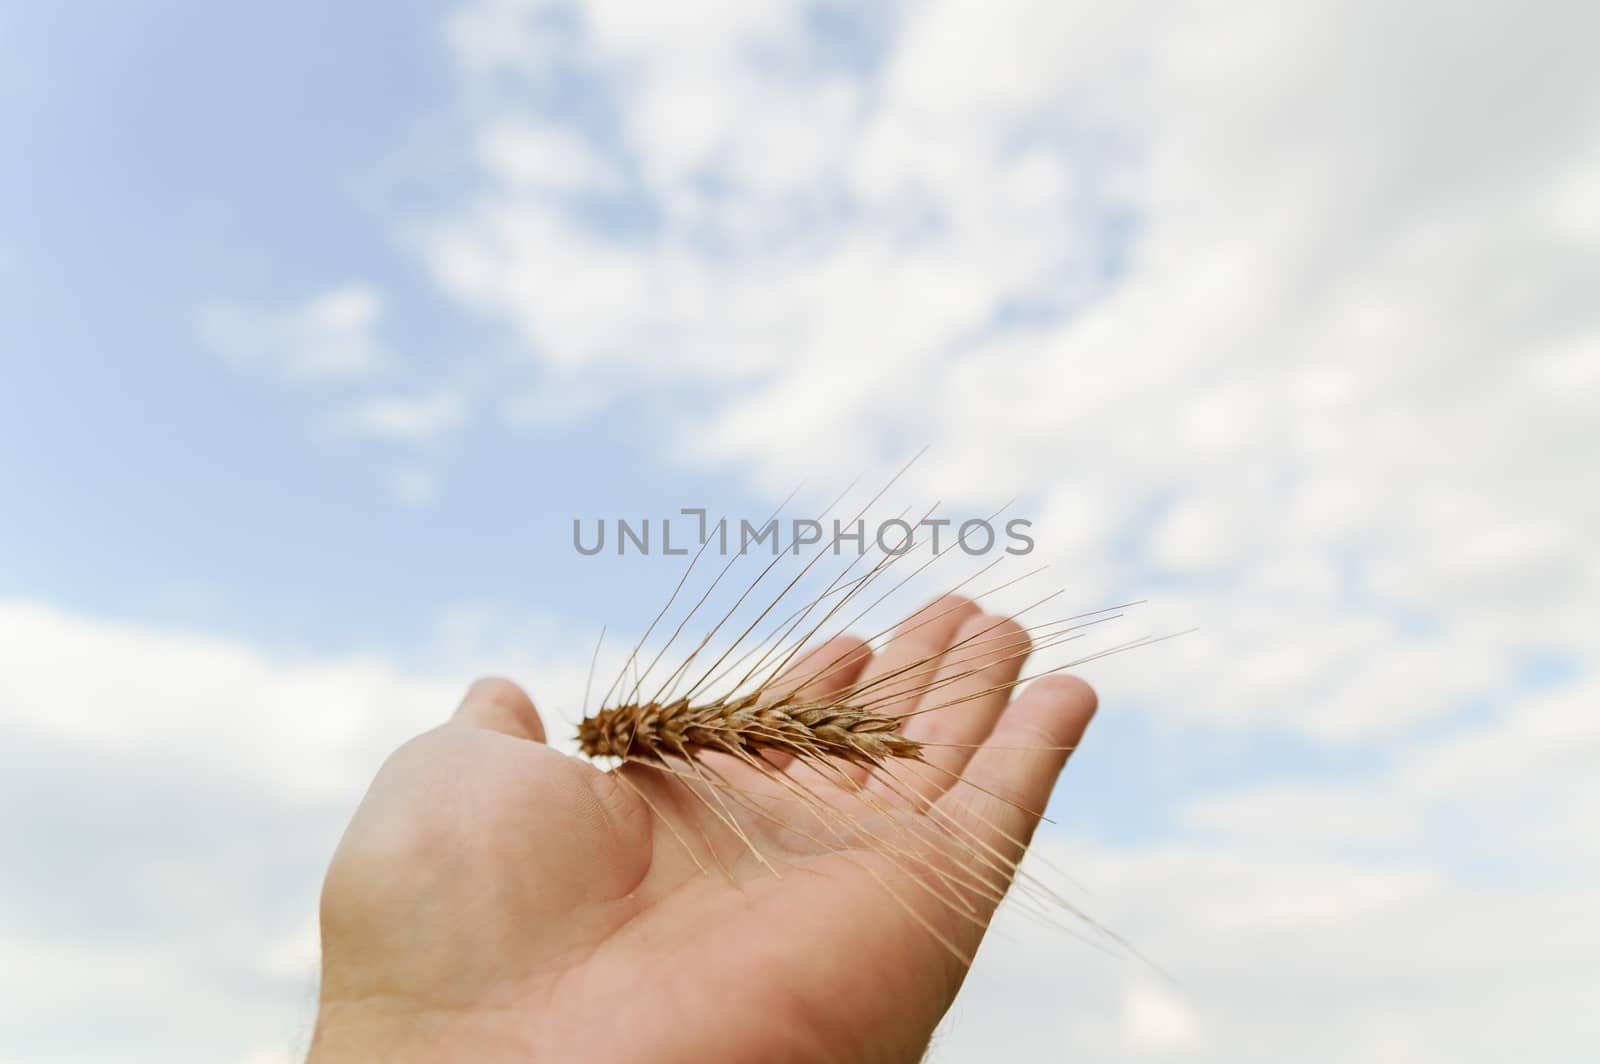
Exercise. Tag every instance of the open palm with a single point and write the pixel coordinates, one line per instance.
(494, 899)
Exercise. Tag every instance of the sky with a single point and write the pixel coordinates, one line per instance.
(320, 324)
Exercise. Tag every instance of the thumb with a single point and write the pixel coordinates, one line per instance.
(499, 705)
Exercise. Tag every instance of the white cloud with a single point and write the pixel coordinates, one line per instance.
(1437, 908)
(334, 336)
(1334, 387)
(1159, 1021)
(545, 157)
(310, 728)
(414, 486)
(176, 797)
(410, 418)
(327, 336)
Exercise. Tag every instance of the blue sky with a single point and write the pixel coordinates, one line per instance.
(175, 157)
(320, 325)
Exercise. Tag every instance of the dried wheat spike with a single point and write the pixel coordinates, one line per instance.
(651, 731)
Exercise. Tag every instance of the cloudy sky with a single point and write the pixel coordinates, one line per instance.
(320, 324)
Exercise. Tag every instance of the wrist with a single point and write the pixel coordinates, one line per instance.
(402, 1033)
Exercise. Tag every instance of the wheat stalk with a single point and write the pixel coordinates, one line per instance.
(652, 731)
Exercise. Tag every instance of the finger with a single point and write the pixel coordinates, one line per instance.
(499, 705)
(893, 680)
(1008, 781)
(821, 674)
(962, 702)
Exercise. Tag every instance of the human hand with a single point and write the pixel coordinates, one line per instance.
(494, 899)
